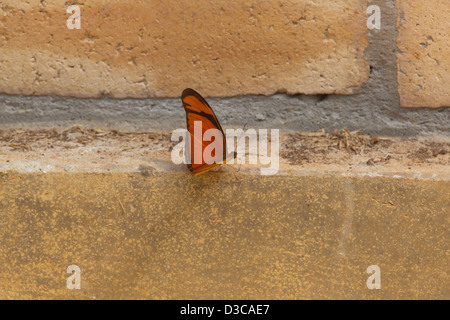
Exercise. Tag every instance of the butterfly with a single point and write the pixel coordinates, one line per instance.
(199, 119)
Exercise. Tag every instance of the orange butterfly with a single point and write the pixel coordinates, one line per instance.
(200, 118)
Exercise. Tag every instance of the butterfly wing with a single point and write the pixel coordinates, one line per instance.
(198, 110)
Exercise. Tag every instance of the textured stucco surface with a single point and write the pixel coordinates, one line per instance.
(222, 236)
(424, 53)
(140, 49)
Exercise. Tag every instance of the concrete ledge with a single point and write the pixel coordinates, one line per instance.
(222, 236)
(139, 227)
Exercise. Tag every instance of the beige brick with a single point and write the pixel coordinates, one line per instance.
(424, 58)
(157, 48)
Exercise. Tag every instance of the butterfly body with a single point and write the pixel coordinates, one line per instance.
(200, 119)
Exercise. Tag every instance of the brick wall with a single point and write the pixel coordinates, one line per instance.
(424, 53)
(145, 49)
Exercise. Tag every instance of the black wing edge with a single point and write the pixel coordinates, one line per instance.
(192, 92)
